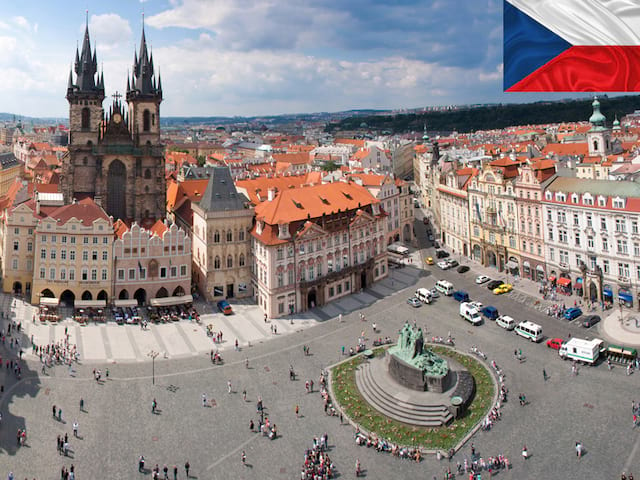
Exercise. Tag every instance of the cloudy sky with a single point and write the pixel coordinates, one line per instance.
(257, 57)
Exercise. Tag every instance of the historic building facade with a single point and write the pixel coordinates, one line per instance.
(222, 221)
(454, 209)
(117, 159)
(315, 244)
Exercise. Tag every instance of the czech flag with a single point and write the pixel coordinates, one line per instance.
(571, 45)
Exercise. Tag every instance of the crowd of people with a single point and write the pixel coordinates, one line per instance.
(382, 445)
(317, 464)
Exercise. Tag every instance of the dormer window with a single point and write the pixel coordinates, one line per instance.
(618, 202)
(548, 195)
(283, 231)
(587, 199)
(574, 198)
(561, 197)
(602, 201)
(259, 226)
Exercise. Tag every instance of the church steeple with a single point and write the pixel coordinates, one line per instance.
(88, 81)
(143, 82)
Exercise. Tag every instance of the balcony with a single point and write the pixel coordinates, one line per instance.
(624, 280)
(336, 275)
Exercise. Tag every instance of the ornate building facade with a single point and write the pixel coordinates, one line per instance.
(115, 159)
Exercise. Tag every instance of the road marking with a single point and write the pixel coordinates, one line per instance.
(627, 464)
(233, 452)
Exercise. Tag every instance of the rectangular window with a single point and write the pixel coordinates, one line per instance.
(552, 254)
(95, 240)
(44, 239)
(105, 241)
(577, 239)
(14, 264)
(331, 292)
(85, 256)
(53, 254)
(605, 245)
(43, 253)
(72, 254)
(634, 227)
(72, 274)
(605, 266)
(621, 225)
(217, 291)
(85, 240)
(174, 271)
(163, 272)
(121, 274)
(73, 240)
(551, 234)
(63, 274)
(132, 274)
(183, 270)
(143, 273)
(63, 239)
(339, 288)
(63, 254)
(94, 274)
(578, 259)
(16, 245)
(290, 277)
(30, 247)
(54, 239)
(576, 219)
(603, 224)
(104, 274)
(623, 270)
(42, 273)
(85, 274)
(279, 279)
(94, 255)
(16, 231)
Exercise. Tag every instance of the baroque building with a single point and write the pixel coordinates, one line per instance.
(116, 159)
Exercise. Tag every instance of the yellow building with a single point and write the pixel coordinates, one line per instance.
(10, 169)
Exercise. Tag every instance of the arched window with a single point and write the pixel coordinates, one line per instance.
(146, 121)
(229, 236)
(216, 237)
(86, 118)
(241, 260)
(147, 173)
(216, 263)
(229, 261)
(595, 145)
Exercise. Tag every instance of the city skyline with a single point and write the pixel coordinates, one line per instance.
(223, 58)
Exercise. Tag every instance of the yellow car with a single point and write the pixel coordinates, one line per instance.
(429, 260)
(504, 288)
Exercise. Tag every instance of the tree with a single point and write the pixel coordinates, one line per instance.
(202, 159)
(330, 166)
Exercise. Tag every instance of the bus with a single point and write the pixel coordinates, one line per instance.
(529, 330)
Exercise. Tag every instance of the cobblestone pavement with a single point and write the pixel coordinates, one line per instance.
(118, 426)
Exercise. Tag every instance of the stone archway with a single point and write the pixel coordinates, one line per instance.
(123, 295)
(46, 293)
(141, 296)
(86, 295)
(492, 260)
(178, 291)
(116, 189)
(162, 293)
(17, 288)
(102, 295)
(68, 298)
(311, 298)
(593, 292)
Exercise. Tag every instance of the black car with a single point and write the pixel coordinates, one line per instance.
(437, 245)
(494, 284)
(463, 269)
(442, 254)
(590, 321)
(453, 263)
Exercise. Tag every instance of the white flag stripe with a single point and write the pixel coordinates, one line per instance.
(587, 22)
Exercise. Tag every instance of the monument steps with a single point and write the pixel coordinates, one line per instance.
(377, 394)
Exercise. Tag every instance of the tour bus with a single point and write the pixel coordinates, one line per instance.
(444, 287)
(529, 330)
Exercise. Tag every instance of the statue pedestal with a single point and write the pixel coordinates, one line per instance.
(414, 378)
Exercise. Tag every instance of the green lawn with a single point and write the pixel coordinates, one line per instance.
(356, 408)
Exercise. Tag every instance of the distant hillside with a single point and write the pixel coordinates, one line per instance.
(491, 117)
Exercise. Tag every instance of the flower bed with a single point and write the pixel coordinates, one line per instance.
(445, 437)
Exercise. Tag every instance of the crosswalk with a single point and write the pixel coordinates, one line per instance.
(110, 342)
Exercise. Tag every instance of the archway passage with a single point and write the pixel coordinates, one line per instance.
(363, 280)
(162, 293)
(491, 259)
(141, 296)
(102, 295)
(593, 292)
(17, 287)
(477, 253)
(179, 291)
(67, 298)
(86, 295)
(406, 233)
(47, 293)
(311, 299)
(116, 189)
(123, 295)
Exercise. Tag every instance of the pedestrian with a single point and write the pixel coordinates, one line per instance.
(204, 400)
(340, 318)
(237, 345)
(525, 452)
(251, 425)
(297, 411)
(340, 418)
(54, 411)
(229, 386)
(265, 318)
(59, 414)
(635, 420)
(186, 468)
(165, 469)
(578, 450)
(342, 349)
(75, 429)
(244, 458)
(82, 404)
(141, 463)
(175, 472)
(275, 329)
(544, 374)
(244, 395)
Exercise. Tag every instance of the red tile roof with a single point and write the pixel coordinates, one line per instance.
(86, 211)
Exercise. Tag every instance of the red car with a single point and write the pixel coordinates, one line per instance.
(555, 343)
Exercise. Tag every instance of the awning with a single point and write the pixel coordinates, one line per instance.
(526, 264)
(168, 301)
(512, 265)
(126, 303)
(49, 301)
(552, 278)
(540, 268)
(564, 282)
(607, 292)
(625, 297)
(90, 303)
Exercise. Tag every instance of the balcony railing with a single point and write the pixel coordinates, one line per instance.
(335, 275)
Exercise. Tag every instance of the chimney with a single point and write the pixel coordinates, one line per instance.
(271, 193)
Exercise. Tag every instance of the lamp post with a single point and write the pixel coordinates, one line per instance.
(153, 354)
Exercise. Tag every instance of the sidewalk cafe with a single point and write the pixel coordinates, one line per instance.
(48, 309)
(89, 310)
(174, 308)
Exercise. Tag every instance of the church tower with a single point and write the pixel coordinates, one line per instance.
(598, 136)
(85, 97)
(116, 159)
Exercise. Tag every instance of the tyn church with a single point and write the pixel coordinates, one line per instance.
(116, 159)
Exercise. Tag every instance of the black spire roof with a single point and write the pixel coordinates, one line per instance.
(86, 68)
(221, 193)
(143, 81)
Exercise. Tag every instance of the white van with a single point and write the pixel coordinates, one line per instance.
(444, 287)
(506, 322)
(584, 351)
(529, 330)
(423, 295)
(470, 313)
(398, 249)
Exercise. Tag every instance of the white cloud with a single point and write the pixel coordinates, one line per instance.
(109, 31)
(21, 22)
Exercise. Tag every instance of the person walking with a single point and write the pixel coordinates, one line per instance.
(204, 400)
(525, 452)
(297, 411)
(187, 466)
(82, 404)
(141, 463)
(175, 472)
(229, 386)
(544, 374)
(75, 429)
(244, 395)
(244, 458)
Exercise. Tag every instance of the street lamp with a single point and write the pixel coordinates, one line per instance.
(153, 354)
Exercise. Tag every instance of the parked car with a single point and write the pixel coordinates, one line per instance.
(480, 279)
(224, 307)
(435, 293)
(443, 265)
(429, 260)
(442, 254)
(590, 321)
(414, 302)
(555, 343)
(461, 296)
(494, 284)
(463, 269)
(504, 288)
(572, 313)
(452, 263)
(437, 245)
(475, 304)
(489, 312)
